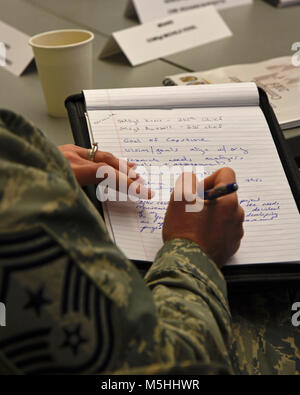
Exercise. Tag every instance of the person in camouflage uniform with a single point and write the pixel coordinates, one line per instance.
(76, 304)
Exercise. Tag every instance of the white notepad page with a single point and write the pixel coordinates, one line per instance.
(233, 133)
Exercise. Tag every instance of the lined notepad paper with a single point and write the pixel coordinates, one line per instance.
(208, 126)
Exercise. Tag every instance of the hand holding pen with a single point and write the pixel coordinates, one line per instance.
(222, 190)
(218, 227)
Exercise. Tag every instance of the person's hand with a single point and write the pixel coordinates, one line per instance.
(217, 229)
(85, 170)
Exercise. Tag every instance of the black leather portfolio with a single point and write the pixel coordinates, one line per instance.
(245, 276)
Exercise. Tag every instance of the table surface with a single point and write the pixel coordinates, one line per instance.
(260, 31)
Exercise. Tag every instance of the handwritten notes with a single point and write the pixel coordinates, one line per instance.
(206, 138)
(15, 52)
(156, 9)
(153, 40)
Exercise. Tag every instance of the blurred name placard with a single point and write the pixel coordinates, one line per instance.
(167, 36)
(15, 52)
(150, 10)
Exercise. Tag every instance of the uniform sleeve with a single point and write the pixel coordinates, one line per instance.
(74, 302)
(190, 295)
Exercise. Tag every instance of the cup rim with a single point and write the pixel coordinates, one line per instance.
(92, 36)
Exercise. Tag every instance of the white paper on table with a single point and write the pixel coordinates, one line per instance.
(286, 3)
(278, 77)
(15, 52)
(153, 40)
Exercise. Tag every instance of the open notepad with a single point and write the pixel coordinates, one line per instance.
(210, 126)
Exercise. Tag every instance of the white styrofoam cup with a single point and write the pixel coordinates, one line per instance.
(64, 62)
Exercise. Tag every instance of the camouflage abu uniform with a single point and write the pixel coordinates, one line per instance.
(75, 304)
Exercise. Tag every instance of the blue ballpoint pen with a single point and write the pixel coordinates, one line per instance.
(222, 190)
